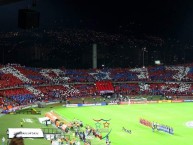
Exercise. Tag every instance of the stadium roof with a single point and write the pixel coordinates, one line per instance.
(4, 2)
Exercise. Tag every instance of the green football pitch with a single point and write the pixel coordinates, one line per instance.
(175, 115)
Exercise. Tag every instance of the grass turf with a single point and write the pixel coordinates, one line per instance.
(172, 114)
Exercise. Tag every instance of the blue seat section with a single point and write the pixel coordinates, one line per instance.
(191, 70)
(23, 99)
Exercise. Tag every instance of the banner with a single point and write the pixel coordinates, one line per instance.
(97, 104)
(83, 105)
(188, 100)
(164, 101)
(112, 103)
(150, 102)
(123, 103)
(25, 132)
(137, 102)
(177, 101)
(71, 105)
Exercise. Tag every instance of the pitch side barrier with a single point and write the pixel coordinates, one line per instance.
(188, 100)
(159, 101)
(84, 105)
(22, 107)
(126, 103)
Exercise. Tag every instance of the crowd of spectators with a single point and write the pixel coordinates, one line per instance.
(24, 85)
(119, 50)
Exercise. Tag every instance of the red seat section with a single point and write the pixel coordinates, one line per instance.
(104, 87)
(1, 102)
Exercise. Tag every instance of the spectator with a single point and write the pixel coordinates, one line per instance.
(17, 141)
(3, 141)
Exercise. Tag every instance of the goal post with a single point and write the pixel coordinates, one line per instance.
(138, 101)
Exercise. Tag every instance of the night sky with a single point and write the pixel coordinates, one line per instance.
(172, 18)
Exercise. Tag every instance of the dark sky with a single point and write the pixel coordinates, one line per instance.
(157, 17)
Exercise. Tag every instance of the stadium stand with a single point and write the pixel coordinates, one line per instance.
(20, 85)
